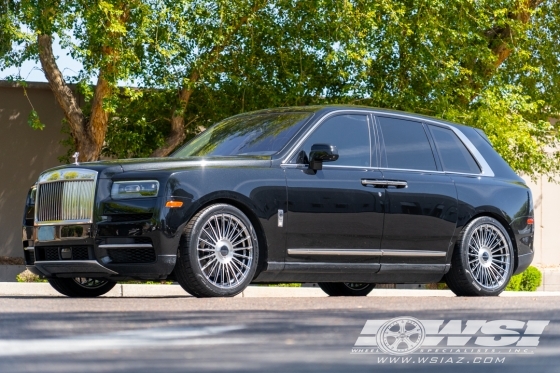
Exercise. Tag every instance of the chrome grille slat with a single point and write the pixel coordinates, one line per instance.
(65, 196)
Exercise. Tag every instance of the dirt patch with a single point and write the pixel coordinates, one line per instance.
(7, 260)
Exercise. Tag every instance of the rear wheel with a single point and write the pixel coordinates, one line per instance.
(346, 289)
(82, 287)
(218, 253)
(482, 262)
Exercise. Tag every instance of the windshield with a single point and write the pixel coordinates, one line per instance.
(258, 134)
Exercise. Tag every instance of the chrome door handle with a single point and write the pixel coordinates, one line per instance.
(384, 183)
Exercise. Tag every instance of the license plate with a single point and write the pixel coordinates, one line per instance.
(46, 233)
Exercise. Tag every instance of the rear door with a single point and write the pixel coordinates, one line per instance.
(420, 199)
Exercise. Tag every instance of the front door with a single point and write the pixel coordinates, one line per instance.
(332, 217)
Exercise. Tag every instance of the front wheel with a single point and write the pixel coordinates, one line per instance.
(218, 253)
(482, 262)
(346, 289)
(82, 287)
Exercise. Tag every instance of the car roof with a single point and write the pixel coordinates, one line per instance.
(323, 109)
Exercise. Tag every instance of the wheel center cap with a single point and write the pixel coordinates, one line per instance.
(485, 257)
(224, 250)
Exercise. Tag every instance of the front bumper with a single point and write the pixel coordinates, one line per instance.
(136, 250)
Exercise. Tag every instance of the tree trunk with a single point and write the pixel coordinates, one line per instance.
(88, 135)
(98, 121)
(63, 94)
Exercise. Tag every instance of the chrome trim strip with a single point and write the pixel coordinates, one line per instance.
(396, 183)
(63, 222)
(67, 174)
(359, 252)
(414, 253)
(126, 246)
(366, 252)
(29, 248)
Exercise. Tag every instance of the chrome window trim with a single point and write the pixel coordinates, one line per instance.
(302, 166)
(366, 252)
(48, 177)
(486, 170)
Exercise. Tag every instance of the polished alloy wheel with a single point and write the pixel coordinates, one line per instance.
(90, 283)
(225, 251)
(489, 257)
(356, 285)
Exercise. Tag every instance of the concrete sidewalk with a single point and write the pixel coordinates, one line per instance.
(17, 289)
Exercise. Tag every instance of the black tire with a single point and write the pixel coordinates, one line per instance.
(82, 287)
(465, 278)
(199, 276)
(346, 289)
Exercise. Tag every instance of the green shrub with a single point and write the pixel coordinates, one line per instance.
(528, 280)
(27, 276)
(531, 279)
(514, 283)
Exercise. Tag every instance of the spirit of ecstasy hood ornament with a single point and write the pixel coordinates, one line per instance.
(75, 156)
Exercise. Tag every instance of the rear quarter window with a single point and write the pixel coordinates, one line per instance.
(454, 155)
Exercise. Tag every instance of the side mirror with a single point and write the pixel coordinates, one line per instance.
(322, 153)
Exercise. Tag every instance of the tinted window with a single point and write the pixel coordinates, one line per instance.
(349, 133)
(454, 155)
(261, 134)
(406, 144)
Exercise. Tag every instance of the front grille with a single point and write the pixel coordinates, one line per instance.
(52, 253)
(66, 200)
(140, 255)
(80, 253)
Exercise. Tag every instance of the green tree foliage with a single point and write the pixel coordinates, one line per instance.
(487, 64)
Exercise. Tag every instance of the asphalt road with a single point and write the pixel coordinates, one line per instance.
(185, 334)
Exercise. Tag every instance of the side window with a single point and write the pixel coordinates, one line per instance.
(406, 144)
(454, 155)
(349, 133)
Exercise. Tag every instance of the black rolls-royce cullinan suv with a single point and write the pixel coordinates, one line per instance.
(340, 195)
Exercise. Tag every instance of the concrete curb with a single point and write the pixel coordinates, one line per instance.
(16, 289)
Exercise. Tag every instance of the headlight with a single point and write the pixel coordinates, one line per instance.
(134, 189)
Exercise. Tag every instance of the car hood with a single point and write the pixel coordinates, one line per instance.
(107, 169)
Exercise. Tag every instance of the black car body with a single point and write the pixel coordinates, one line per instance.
(390, 209)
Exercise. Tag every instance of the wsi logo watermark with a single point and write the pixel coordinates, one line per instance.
(406, 335)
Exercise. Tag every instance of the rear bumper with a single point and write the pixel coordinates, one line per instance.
(523, 262)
